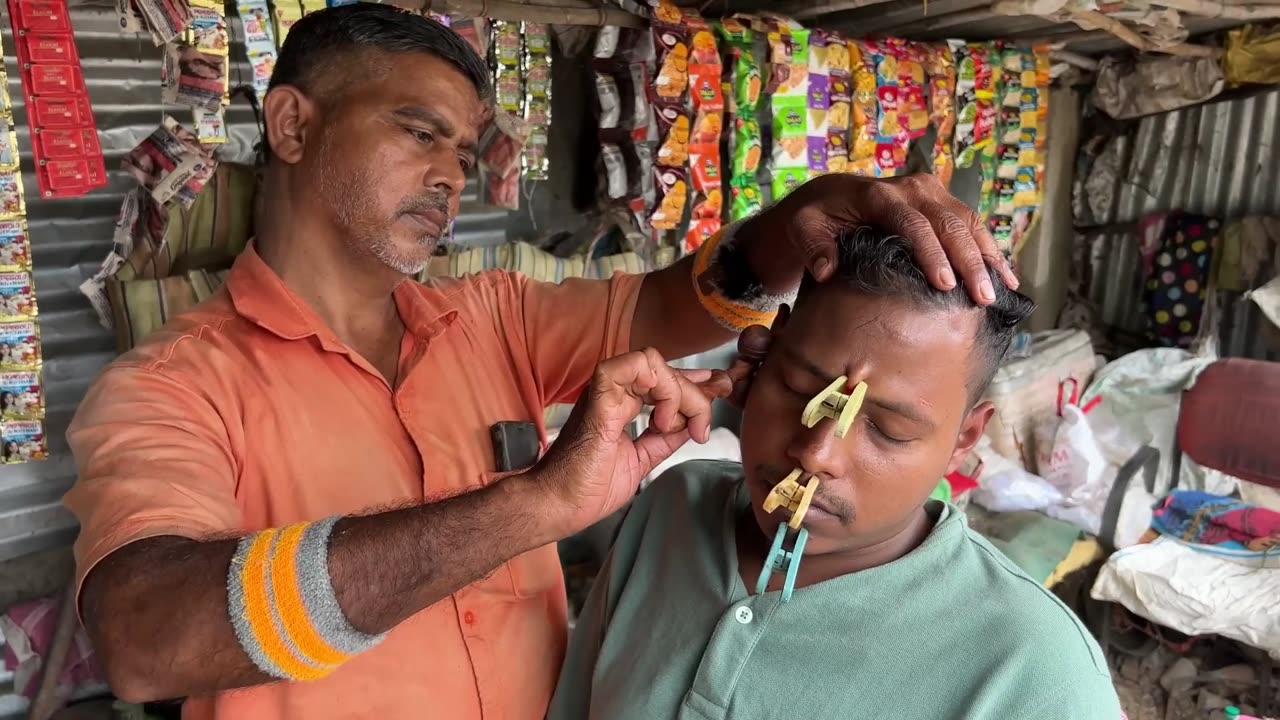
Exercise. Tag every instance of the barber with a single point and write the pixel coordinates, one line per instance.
(290, 491)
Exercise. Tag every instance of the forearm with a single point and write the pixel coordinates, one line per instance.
(158, 609)
(670, 318)
(703, 301)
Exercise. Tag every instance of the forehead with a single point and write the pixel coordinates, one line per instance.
(898, 347)
(380, 81)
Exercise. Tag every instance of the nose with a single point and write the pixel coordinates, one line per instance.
(447, 175)
(818, 451)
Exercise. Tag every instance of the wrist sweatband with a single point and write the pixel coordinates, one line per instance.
(283, 607)
(727, 287)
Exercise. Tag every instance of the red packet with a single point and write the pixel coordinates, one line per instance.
(61, 112)
(54, 80)
(62, 143)
(41, 16)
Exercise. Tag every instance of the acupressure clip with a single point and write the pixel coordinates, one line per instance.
(835, 404)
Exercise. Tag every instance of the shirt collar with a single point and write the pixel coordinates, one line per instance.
(260, 296)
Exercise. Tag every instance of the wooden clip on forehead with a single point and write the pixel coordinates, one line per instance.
(835, 404)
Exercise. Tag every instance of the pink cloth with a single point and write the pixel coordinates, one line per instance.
(28, 635)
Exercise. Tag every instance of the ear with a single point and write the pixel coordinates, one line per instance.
(753, 347)
(291, 120)
(975, 423)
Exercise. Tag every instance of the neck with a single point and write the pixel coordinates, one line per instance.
(820, 568)
(351, 292)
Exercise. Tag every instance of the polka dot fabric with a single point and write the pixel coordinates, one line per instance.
(1175, 290)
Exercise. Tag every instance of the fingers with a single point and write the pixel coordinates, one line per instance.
(678, 403)
(753, 346)
(652, 447)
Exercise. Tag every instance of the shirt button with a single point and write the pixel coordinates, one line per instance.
(469, 617)
(743, 615)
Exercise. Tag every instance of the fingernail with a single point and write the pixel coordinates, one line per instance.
(947, 278)
(988, 292)
(820, 266)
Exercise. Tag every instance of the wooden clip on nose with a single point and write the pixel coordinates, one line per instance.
(836, 405)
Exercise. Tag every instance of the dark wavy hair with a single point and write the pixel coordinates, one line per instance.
(871, 262)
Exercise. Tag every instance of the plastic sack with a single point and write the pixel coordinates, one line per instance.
(1005, 487)
(1143, 392)
(1196, 591)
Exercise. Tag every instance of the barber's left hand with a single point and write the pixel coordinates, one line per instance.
(946, 235)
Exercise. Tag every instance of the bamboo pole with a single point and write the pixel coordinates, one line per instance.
(509, 10)
(833, 7)
(1215, 9)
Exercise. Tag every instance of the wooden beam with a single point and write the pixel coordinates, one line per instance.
(564, 13)
(1094, 20)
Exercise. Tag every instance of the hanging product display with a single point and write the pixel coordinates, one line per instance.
(788, 88)
(741, 71)
(171, 164)
(621, 65)
(840, 99)
(819, 103)
(866, 112)
(259, 42)
(284, 14)
(942, 111)
(707, 97)
(672, 122)
(209, 38)
(499, 164)
(535, 71)
(21, 384)
(68, 159)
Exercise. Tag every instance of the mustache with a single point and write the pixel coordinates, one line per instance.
(823, 497)
(422, 203)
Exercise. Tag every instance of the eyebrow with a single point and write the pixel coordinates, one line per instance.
(427, 116)
(905, 410)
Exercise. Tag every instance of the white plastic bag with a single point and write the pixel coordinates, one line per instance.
(1004, 486)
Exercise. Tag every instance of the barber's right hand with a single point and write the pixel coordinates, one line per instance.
(594, 467)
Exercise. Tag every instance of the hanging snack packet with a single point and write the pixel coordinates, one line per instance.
(942, 112)
(789, 160)
(23, 441)
(671, 43)
(17, 297)
(790, 134)
(287, 12)
(208, 31)
(259, 42)
(673, 196)
(890, 154)
(506, 49)
(673, 133)
(911, 85)
(987, 83)
(745, 141)
(21, 395)
(746, 199)
(9, 158)
(501, 144)
(192, 78)
(15, 248)
(13, 204)
(866, 110)
(167, 19)
(707, 98)
(211, 127)
(966, 151)
(170, 163)
(536, 74)
(840, 115)
(19, 345)
(819, 103)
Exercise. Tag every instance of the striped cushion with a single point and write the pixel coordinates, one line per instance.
(140, 307)
(537, 264)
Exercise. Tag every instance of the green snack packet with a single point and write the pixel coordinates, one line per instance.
(746, 198)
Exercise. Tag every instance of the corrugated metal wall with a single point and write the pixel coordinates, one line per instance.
(1220, 159)
(70, 237)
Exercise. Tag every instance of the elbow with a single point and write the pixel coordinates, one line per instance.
(131, 678)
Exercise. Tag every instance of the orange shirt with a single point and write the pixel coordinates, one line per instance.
(249, 413)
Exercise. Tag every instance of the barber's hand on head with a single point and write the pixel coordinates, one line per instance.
(947, 236)
(594, 467)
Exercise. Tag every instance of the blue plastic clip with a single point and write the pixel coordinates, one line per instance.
(782, 560)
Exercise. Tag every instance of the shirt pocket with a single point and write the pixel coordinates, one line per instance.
(527, 575)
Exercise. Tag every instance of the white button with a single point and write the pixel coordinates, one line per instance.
(743, 615)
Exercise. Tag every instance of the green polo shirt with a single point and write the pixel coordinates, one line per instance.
(951, 630)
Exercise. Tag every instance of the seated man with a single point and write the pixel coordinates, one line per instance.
(899, 609)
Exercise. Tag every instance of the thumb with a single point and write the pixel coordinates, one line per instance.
(652, 447)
